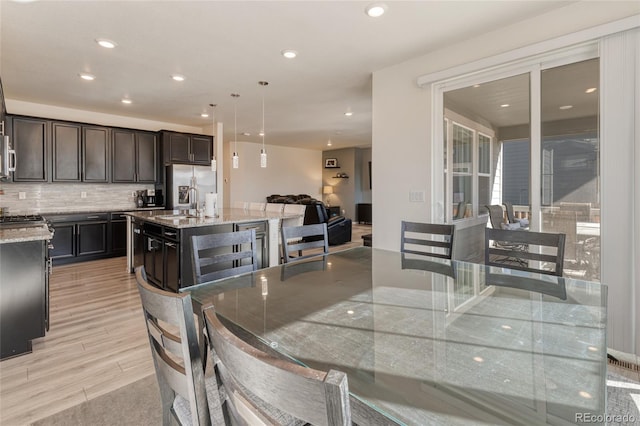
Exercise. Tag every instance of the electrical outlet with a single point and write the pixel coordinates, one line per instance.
(83, 194)
(22, 195)
(133, 193)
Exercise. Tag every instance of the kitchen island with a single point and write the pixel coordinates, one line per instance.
(24, 287)
(161, 240)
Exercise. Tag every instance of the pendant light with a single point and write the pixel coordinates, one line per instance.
(235, 159)
(263, 152)
(214, 164)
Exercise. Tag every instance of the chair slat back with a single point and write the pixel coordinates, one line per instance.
(305, 237)
(298, 209)
(217, 256)
(425, 237)
(240, 205)
(174, 346)
(272, 388)
(509, 240)
(275, 207)
(257, 206)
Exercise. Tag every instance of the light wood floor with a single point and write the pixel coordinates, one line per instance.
(97, 342)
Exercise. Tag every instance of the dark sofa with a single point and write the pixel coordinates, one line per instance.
(338, 227)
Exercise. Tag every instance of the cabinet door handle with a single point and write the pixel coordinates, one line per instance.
(93, 217)
(171, 234)
(172, 245)
(12, 159)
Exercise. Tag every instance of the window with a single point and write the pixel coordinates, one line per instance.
(470, 145)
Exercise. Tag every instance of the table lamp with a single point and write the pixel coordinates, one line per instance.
(328, 190)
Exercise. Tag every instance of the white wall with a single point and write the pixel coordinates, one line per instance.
(402, 122)
(289, 171)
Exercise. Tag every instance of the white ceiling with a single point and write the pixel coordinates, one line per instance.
(222, 47)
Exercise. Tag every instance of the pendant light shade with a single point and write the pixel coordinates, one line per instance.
(263, 151)
(235, 163)
(214, 163)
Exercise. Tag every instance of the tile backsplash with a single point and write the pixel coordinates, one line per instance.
(64, 198)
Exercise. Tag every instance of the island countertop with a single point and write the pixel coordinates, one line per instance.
(174, 219)
(27, 233)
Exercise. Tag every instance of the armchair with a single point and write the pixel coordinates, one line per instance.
(338, 227)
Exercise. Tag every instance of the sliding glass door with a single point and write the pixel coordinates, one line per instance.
(570, 172)
(528, 135)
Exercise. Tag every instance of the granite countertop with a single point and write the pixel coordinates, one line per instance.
(174, 219)
(28, 233)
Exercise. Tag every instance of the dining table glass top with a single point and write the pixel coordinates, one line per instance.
(428, 341)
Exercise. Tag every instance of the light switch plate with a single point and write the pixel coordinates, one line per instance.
(416, 196)
(83, 194)
(22, 195)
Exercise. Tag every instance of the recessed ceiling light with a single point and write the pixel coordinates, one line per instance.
(204, 115)
(476, 85)
(126, 101)
(87, 76)
(109, 44)
(478, 359)
(563, 107)
(591, 90)
(585, 394)
(261, 134)
(348, 113)
(178, 77)
(289, 54)
(246, 134)
(505, 106)
(506, 327)
(375, 10)
(329, 143)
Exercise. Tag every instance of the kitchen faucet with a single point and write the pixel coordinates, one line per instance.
(194, 204)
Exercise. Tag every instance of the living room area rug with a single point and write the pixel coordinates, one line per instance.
(135, 404)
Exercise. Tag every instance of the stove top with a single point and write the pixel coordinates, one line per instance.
(15, 221)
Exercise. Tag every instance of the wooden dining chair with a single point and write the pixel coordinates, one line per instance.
(305, 237)
(274, 207)
(217, 256)
(428, 239)
(240, 205)
(551, 252)
(176, 357)
(263, 389)
(257, 206)
(421, 263)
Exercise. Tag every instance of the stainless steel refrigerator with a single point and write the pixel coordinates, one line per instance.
(180, 178)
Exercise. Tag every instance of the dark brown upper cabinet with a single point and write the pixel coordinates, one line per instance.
(134, 156)
(30, 138)
(185, 148)
(79, 153)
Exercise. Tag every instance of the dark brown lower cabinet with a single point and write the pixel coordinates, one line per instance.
(79, 237)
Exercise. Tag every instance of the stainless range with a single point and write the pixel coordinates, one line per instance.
(24, 282)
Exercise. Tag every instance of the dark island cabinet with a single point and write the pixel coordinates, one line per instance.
(134, 156)
(30, 138)
(185, 148)
(79, 153)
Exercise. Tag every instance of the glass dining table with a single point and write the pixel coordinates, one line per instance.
(425, 341)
